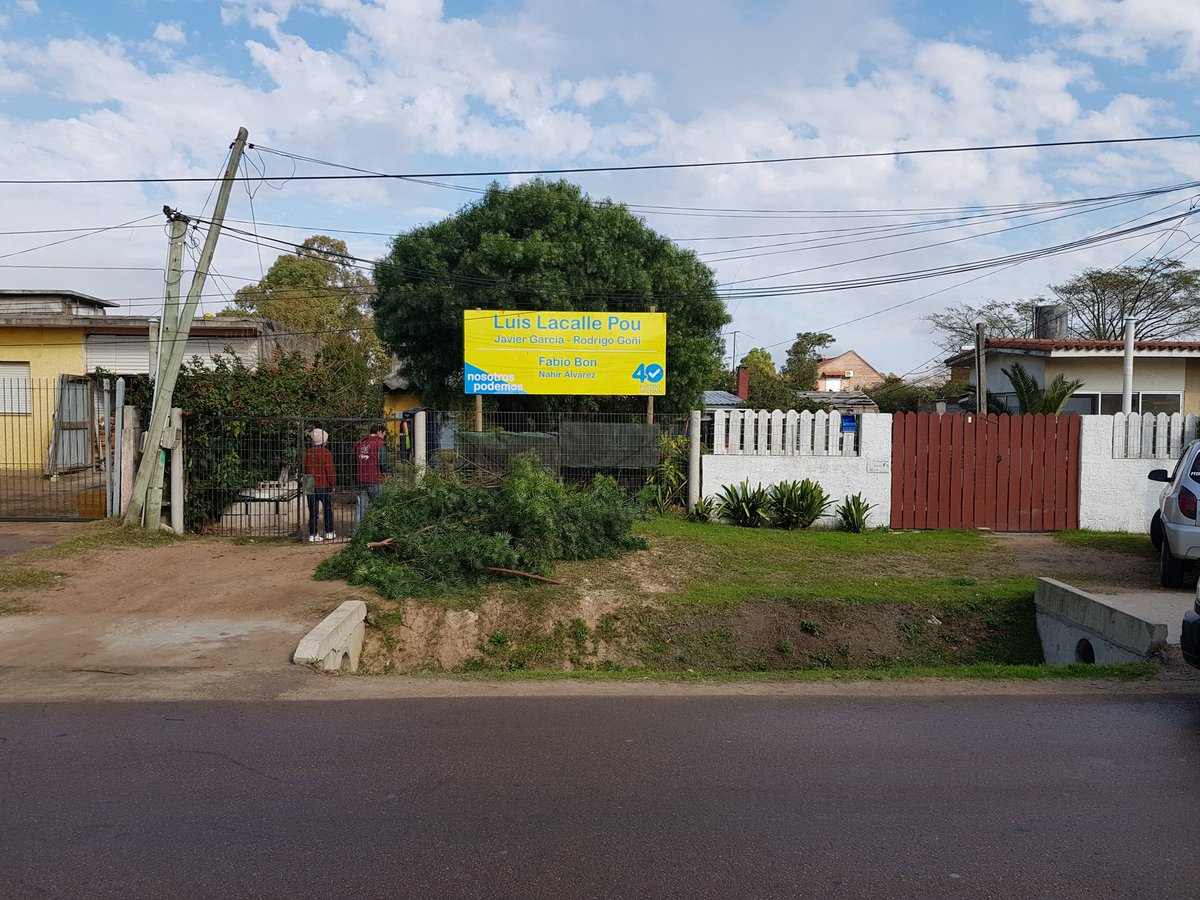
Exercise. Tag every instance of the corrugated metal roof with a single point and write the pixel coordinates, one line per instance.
(721, 398)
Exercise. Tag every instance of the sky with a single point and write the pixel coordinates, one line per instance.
(862, 244)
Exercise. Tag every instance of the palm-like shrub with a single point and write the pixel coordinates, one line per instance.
(744, 505)
(852, 514)
(797, 504)
(1031, 398)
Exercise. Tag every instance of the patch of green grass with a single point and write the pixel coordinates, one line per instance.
(726, 566)
(15, 576)
(101, 535)
(15, 606)
(1109, 542)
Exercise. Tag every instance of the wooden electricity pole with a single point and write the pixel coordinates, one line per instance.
(165, 392)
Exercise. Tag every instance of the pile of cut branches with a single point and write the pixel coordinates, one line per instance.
(441, 536)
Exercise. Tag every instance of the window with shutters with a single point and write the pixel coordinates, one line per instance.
(16, 389)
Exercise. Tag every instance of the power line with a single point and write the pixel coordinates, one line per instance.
(644, 167)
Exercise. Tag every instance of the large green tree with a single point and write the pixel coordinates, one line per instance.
(543, 245)
(1162, 294)
(319, 293)
(767, 388)
(800, 368)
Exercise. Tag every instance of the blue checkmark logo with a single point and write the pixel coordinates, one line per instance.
(655, 373)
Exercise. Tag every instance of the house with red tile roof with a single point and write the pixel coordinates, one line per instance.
(846, 372)
(1166, 374)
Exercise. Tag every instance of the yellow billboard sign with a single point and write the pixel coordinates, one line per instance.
(548, 352)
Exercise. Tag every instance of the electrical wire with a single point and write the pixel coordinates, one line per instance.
(361, 174)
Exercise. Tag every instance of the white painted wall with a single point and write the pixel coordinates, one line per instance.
(1106, 375)
(1114, 494)
(869, 473)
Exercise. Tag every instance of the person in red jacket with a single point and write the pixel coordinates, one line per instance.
(318, 463)
(373, 467)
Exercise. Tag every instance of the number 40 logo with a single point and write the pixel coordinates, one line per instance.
(652, 373)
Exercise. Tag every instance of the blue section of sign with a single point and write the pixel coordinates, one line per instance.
(655, 373)
(477, 381)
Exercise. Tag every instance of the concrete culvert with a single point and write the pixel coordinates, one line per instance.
(1084, 652)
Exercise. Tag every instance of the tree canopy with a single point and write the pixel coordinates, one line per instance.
(318, 292)
(800, 369)
(543, 245)
(768, 390)
(1161, 294)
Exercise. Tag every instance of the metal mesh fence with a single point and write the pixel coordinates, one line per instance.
(246, 475)
(576, 446)
(55, 447)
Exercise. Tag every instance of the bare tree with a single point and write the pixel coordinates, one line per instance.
(1161, 294)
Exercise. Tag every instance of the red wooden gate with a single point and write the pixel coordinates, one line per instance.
(1007, 473)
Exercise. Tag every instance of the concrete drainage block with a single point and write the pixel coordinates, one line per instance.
(336, 643)
(1077, 627)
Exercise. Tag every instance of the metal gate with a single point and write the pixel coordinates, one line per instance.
(1003, 472)
(52, 447)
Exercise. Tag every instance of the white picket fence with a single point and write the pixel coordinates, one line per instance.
(757, 432)
(1149, 436)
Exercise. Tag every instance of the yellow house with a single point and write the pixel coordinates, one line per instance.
(52, 341)
(33, 355)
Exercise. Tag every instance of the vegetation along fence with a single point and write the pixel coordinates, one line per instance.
(245, 474)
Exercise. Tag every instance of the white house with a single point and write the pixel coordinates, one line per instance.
(1166, 374)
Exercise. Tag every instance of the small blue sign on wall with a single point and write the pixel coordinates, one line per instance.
(849, 424)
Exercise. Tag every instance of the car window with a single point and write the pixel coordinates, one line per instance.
(1194, 469)
(1179, 464)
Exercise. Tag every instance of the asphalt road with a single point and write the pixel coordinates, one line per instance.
(1002, 796)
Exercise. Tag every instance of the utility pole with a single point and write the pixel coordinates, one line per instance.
(980, 370)
(168, 330)
(170, 371)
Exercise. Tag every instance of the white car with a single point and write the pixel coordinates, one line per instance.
(1174, 530)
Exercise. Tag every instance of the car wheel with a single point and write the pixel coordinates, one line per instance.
(1171, 571)
(1156, 531)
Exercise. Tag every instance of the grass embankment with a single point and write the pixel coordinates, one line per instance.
(34, 571)
(751, 603)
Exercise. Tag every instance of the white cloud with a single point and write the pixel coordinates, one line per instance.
(170, 33)
(1127, 30)
(28, 7)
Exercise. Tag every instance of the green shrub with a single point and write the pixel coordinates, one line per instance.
(852, 514)
(797, 504)
(444, 535)
(744, 505)
(704, 511)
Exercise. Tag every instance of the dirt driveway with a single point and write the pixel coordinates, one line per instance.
(202, 604)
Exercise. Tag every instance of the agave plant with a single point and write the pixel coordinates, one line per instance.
(744, 505)
(797, 504)
(852, 514)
